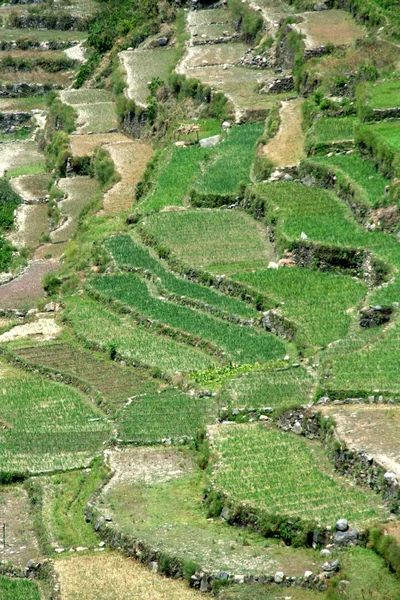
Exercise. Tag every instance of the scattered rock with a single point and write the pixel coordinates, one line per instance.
(210, 141)
(279, 577)
(342, 525)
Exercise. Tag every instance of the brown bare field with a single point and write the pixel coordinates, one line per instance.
(25, 290)
(130, 158)
(110, 576)
(82, 145)
(79, 191)
(374, 429)
(217, 54)
(21, 543)
(329, 27)
(31, 187)
(287, 147)
(31, 222)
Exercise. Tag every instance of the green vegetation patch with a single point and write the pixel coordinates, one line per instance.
(385, 95)
(126, 251)
(315, 301)
(172, 414)
(106, 331)
(363, 364)
(174, 178)
(238, 343)
(361, 171)
(115, 382)
(18, 589)
(65, 496)
(220, 241)
(287, 475)
(47, 426)
(283, 388)
(390, 132)
(334, 129)
(232, 161)
(142, 65)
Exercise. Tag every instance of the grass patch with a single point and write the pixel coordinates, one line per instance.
(18, 589)
(219, 240)
(287, 475)
(12, 34)
(240, 344)
(385, 95)
(171, 414)
(259, 389)
(65, 497)
(390, 132)
(126, 251)
(315, 301)
(105, 330)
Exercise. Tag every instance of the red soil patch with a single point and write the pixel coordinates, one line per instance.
(25, 290)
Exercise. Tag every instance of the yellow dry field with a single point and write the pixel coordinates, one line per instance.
(287, 147)
(374, 429)
(110, 576)
(130, 158)
(335, 27)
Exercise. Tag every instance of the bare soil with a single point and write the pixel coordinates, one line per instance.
(21, 542)
(374, 429)
(26, 290)
(335, 27)
(287, 147)
(43, 329)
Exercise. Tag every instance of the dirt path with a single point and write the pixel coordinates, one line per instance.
(287, 147)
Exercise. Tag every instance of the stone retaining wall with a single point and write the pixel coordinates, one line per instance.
(22, 90)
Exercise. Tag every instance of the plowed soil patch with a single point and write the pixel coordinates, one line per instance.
(25, 290)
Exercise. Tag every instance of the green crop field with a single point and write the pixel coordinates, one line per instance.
(114, 382)
(385, 95)
(361, 171)
(48, 426)
(390, 132)
(238, 343)
(231, 162)
(151, 418)
(126, 251)
(220, 241)
(174, 178)
(40, 35)
(284, 388)
(333, 129)
(370, 365)
(316, 302)
(285, 474)
(18, 589)
(105, 330)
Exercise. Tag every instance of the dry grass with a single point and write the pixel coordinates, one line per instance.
(31, 187)
(218, 54)
(374, 429)
(287, 147)
(130, 158)
(112, 577)
(60, 79)
(31, 222)
(18, 154)
(329, 27)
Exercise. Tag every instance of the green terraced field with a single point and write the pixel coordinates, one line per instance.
(281, 473)
(105, 330)
(334, 129)
(114, 382)
(230, 164)
(316, 302)
(390, 132)
(238, 343)
(220, 241)
(284, 388)
(361, 171)
(151, 418)
(48, 426)
(126, 251)
(385, 95)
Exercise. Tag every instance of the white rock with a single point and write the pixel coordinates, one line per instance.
(307, 575)
(273, 265)
(303, 235)
(279, 577)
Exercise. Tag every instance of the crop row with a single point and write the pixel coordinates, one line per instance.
(239, 343)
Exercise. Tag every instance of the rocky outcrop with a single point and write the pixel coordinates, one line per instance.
(24, 43)
(374, 316)
(278, 85)
(22, 90)
(11, 121)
